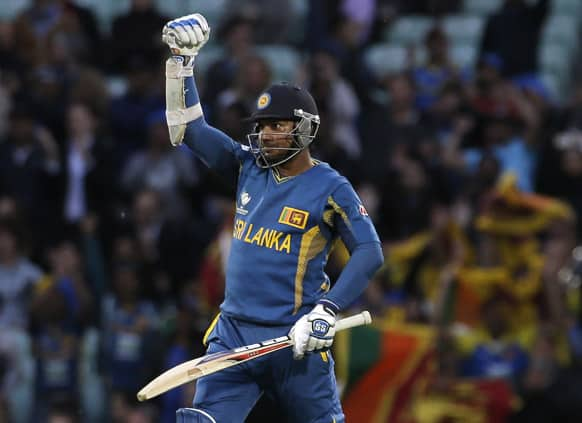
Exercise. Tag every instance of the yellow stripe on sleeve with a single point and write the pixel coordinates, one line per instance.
(337, 208)
(312, 243)
(209, 330)
(328, 217)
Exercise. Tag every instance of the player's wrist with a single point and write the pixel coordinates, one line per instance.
(329, 306)
(187, 60)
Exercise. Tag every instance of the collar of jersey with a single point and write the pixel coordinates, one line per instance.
(280, 179)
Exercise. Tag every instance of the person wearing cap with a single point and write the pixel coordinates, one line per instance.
(290, 208)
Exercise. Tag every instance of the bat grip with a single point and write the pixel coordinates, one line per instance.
(359, 319)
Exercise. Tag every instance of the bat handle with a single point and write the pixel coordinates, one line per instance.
(359, 319)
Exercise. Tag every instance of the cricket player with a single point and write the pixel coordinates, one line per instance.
(289, 210)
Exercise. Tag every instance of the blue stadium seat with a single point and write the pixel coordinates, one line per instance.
(11, 8)
(300, 7)
(283, 59)
(420, 56)
(116, 86)
(563, 30)
(384, 59)
(554, 58)
(463, 29)
(408, 30)
(553, 84)
(464, 55)
(171, 8)
(567, 8)
(213, 10)
(481, 7)
(297, 26)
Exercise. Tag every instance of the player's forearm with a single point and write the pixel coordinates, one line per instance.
(365, 260)
(186, 121)
(210, 145)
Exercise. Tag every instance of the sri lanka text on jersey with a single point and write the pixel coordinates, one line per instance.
(261, 236)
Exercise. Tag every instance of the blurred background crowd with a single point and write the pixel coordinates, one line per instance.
(459, 122)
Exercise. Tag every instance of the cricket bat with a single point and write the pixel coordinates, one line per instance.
(211, 363)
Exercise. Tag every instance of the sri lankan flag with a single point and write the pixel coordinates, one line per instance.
(294, 217)
(389, 372)
(382, 366)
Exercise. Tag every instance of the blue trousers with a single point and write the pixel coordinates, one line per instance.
(305, 390)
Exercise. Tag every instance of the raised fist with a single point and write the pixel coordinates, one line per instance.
(186, 35)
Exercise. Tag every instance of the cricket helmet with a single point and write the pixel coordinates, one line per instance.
(284, 102)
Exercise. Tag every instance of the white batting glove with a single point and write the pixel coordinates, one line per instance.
(313, 331)
(186, 35)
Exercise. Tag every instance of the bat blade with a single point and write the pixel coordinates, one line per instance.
(194, 369)
(211, 363)
(176, 376)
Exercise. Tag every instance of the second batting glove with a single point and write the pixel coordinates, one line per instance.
(314, 331)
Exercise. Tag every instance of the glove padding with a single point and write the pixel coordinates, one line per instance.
(186, 35)
(313, 331)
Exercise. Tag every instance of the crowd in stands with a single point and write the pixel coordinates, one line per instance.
(113, 242)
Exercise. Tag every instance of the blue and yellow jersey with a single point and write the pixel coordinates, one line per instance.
(283, 232)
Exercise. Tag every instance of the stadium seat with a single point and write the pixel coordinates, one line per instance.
(463, 29)
(300, 7)
(384, 59)
(283, 59)
(420, 55)
(482, 7)
(561, 30)
(554, 59)
(408, 30)
(11, 8)
(213, 10)
(171, 8)
(116, 86)
(297, 25)
(464, 55)
(567, 8)
(553, 84)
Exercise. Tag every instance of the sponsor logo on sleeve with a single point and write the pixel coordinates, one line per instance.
(362, 210)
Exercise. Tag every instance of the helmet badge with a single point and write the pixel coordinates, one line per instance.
(263, 101)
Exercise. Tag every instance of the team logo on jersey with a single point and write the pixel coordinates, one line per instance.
(263, 101)
(244, 200)
(294, 217)
(363, 210)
